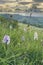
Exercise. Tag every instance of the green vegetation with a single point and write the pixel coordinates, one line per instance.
(7, 22)
(19, 52)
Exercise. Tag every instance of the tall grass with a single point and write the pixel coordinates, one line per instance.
(28, 52)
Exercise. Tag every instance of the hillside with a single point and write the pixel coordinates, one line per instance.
(15, 6)
(35, 20)
(22, 49)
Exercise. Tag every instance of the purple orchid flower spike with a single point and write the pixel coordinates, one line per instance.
(6, 40)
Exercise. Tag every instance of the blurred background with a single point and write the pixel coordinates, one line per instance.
(21, 6)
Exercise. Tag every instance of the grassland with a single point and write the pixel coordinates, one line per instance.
(21, 52)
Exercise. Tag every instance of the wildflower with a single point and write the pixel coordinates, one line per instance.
(6, 39)
(25, 29)
(11, 27)
(42, 42)
(23, 38)
(35, 36)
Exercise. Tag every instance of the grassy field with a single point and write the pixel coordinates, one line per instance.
(21, 52)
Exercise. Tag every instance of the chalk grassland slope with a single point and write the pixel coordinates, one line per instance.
(19, 52)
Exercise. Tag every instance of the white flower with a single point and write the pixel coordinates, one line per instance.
(11, 27)
(6, 39)
(35, 36)
(25, 29)
(23, 38)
